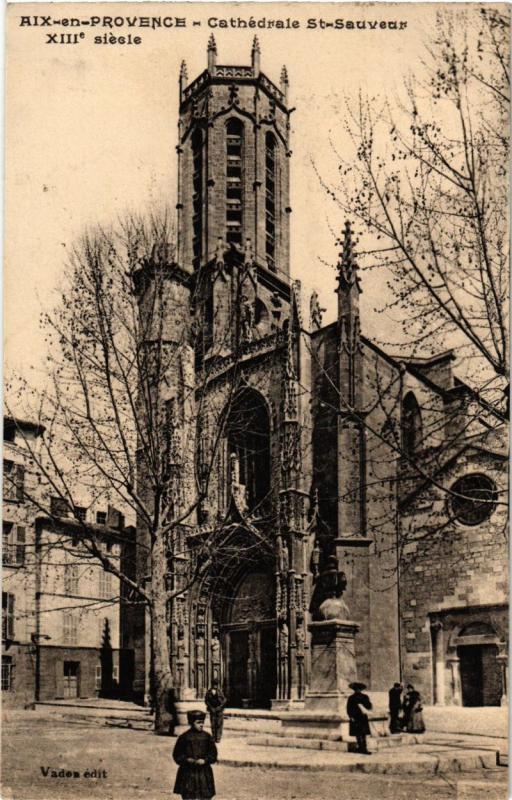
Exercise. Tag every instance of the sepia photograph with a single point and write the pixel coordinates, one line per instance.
(256, 381)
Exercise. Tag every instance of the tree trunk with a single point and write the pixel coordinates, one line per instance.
(162, 678)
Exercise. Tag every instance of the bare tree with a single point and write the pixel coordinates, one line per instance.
(428, 180)
(124, 410)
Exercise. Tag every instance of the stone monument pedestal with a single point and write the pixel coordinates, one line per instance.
(333, 665)
(333, 668)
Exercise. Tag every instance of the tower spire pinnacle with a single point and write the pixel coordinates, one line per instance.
(183, 77)
(347, 264)
(284, 82)
(255, 56)
(212, 53)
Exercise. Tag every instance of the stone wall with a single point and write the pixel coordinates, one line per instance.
(447, 565)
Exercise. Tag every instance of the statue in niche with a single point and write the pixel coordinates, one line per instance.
(283, 640)
(284, 557)
(327, 600)
(215, 648)
(315, 560)
(181, 642)
(246, 318)
(200, 649)
(219, 257)
(249, 260)
(238, 490)
(315, 311)
(300, 641)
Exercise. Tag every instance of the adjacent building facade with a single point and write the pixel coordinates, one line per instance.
(330, 445)
(62, 614)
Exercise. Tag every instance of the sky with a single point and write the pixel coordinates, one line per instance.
(91, 129)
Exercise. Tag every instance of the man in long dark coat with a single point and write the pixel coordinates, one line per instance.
(195, 751)
(215, 703)
(357, 706)
(395, 706)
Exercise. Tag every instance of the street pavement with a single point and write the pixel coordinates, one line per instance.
(128, 764)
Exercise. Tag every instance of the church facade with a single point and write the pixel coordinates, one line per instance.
(329, 446)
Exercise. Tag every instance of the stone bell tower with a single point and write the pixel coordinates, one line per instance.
(233, 189)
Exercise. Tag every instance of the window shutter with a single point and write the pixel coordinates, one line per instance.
(8, 487)
(20, 544)
(20, 482)
(7, 554)
(66, 627)
(11, 615)
(7, 615)
(4, 615)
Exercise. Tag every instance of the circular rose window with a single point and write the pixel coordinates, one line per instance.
(473, 499)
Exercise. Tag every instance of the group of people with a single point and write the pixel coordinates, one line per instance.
(195, 750)
(405, 713)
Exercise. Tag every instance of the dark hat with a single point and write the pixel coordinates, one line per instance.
(195, 714)
(356, 686)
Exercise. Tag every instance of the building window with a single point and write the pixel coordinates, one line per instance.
(270, 200)
(105, 586)
(7, 616)
(97, 678)
(70, 628)
(197, 197)
(80, 513)
(412, 429)
(234, 181)
(71, 579)
(14, 481)
(59, 507)
(13, 544)
(7, 673)
(101, 517)
(9, 431)
(473, 499)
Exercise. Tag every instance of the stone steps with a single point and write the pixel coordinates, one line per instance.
(237, 722)
(122, 715)
(91, 708)
(313, 743)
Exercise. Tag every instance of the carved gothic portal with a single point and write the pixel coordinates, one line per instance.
(249, 643)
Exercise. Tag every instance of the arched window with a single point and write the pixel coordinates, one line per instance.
(234, 181)
(197, 197)
(270, 200)
(248, 433)
(412, 430)
(473, 499)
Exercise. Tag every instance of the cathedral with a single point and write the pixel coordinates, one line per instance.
(315, 459)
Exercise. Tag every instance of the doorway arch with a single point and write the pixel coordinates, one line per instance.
(249, 642)
(480, 673)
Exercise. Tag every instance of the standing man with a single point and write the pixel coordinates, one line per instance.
(395, 706)
(358, 705)
(195, 752)
(215, 703)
